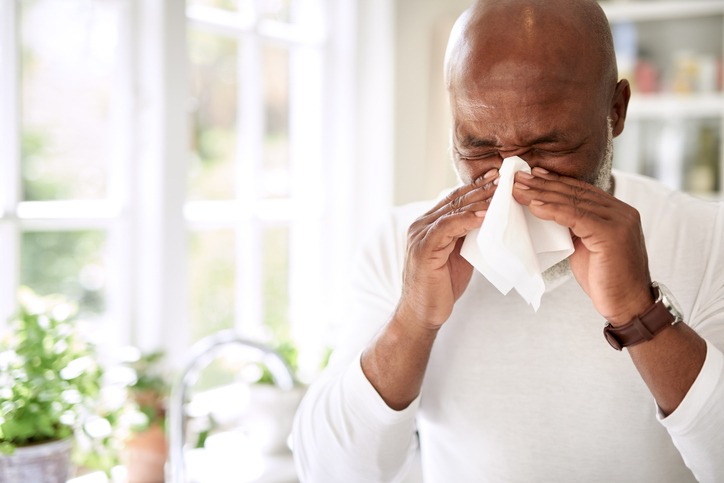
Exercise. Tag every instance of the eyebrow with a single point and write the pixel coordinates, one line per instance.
(475, 142)
(549, 138)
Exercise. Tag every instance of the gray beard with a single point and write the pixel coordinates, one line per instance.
(604, 181)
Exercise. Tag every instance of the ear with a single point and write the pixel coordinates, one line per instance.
(619, 106)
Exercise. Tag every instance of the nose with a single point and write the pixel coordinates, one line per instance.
(521, 152)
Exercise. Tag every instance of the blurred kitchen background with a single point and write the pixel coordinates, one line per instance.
(179, 168)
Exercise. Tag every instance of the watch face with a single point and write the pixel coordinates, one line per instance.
(669, 302)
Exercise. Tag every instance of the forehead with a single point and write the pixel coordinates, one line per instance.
(514, 110)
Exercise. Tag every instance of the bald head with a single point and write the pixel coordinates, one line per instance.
(535, 79)
(551, 42)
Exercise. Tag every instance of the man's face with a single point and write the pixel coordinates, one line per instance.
(554, 124)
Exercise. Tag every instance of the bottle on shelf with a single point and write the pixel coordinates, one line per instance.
(702, 175)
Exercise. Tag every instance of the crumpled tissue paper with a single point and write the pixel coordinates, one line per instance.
(513, 248)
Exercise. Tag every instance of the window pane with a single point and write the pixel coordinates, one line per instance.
(279, 10)
(69, 263)
(275, 281)
(69, 62)
(212, 281)
(214, 87)
(223, 4)
(275, 168)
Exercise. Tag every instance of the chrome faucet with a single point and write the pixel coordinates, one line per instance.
(202, 353)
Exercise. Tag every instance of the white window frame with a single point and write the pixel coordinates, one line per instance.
(18, 216)
(9, 154)
(303, 212)
(146, 215)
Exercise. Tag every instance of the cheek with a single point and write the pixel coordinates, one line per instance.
(469, 170)
(464, 171)
(584, 167)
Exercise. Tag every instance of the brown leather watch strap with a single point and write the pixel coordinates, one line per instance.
(642, 328)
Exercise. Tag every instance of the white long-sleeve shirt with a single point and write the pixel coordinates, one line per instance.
(511, 395)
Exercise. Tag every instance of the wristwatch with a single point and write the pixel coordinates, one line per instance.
(662, 314)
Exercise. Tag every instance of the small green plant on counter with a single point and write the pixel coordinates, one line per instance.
(288, 352)
(150, 390)
(49, 375)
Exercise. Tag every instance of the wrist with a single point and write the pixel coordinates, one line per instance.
(662, 313)
(411, 315)
(635, 306)
(408, 324)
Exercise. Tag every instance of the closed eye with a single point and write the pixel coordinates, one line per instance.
(476, 157)
(555, 151)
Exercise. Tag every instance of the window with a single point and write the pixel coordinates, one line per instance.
(65, 132)
(172, 167)
(256, 163)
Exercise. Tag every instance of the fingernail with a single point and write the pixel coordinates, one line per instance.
(521, 186)
(490, 173)
(525, 175)
(480, 214)
(496, 181)
(537, 203)
(540, 170)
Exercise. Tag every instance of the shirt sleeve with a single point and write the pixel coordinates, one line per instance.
(696, 425)
(343, 430)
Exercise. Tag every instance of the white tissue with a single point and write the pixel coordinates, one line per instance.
(513, 248)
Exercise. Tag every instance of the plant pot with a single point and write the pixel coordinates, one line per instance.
(270, 416)
(39, 463)
(145, 455)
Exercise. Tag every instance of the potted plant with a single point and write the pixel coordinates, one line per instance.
(146, 447)
(271, 410)
(49, 378)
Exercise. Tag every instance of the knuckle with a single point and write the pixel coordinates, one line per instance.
(413, 232)
(453, 195)
(437, 224)
(456, 211)
(579, 193)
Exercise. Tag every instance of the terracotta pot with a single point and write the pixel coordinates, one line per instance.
(145, 455)
(39, 463)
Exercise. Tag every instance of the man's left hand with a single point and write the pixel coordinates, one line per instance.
(610, 261)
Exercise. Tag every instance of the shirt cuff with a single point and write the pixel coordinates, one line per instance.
(698, 398)
(366, 401)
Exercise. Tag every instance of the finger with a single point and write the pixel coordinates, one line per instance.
(459, 195)
(449, 229)
(586, 216)
(540, 176)
(476, 196)
(563, 190)
(567, 206)
(477, 209)
(441, 235)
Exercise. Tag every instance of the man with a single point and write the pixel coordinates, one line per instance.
(493, 390)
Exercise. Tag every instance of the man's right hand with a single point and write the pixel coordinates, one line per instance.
(435, 274)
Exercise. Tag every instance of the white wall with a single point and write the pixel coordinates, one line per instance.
(421, 128)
